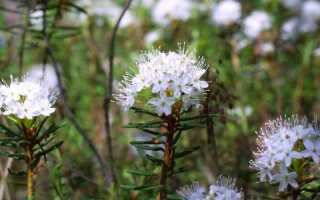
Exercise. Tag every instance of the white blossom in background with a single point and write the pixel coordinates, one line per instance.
(224, 189)
(311, 10)
(44, 74)
(266, 48)
(292, 4)
(110, 10)
(192, 192)
(276, 149)
(36, 19)
(164, 79)
(164, 11)
(245, 111)
(255, 23)
(290, 29)
(316, 52)
(226, 12)
(26, 99)
(151, 37)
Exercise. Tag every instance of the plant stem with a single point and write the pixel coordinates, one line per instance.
(30, 183)
(168, 158)
(29, 172)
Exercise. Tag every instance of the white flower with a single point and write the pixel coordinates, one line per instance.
(36, 19)
(291, 4)
(316, 52)
(290, 29)
(26, 99)
(276, 142)
(110, 10)
(266, 48)
(162, 80)
(224, 189)
(167, 10)
(255, 23)
(192, 192)
(162, 105)
(285, 178)
(44, 74)
(312, 149)
(152, 37)
(226, 12)
(311, 10)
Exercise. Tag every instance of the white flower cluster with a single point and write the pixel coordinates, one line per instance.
(226, 12)
(26, 99)
(110, 10)
(306, 21)
(165, 11)
(257, 22)
(279, 145)
(168, 78)
(44, 74)
(223, 189)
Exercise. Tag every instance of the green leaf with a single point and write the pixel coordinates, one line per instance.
(143, 111)
(8, 142)
(19, 173)
(186, 152)
(144, 147)
(146, 142)
(8, 131)
(141, 173)
(154, 159)
(141, 188)
(44, 152)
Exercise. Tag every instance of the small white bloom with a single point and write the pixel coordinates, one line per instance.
(317, 52)
(312, 149)
(164, 79)
(285, 178)
(291, 4)
(311, 10)
(255, 23)
(277, 141)
(152, 37)
(36, 19)
(224, 189)
(44, 74)
(192, 192)
(290, 29)
(26, 99)
(226, 12)
(266, 48)
(167, 10)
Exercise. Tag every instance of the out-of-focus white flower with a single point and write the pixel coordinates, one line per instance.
(307, 25)
(292, 4)
(26, 99)
(276, 142)
(240, 41)
(317, 52)
(152, 37)
(192, 192)
(44, 74)
(36, 19)
(242, 112)
(311, 10)
(167, 10)
(266, 48)
(285, 178)
(224, 189)
(290, 29)
(110, 10)
(226, 12)
(255, 23)
(164, 79)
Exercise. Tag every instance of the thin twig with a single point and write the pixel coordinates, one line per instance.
(23, 40)
(67, 109)
(107, 99)
(4, 174)
(210, 124)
